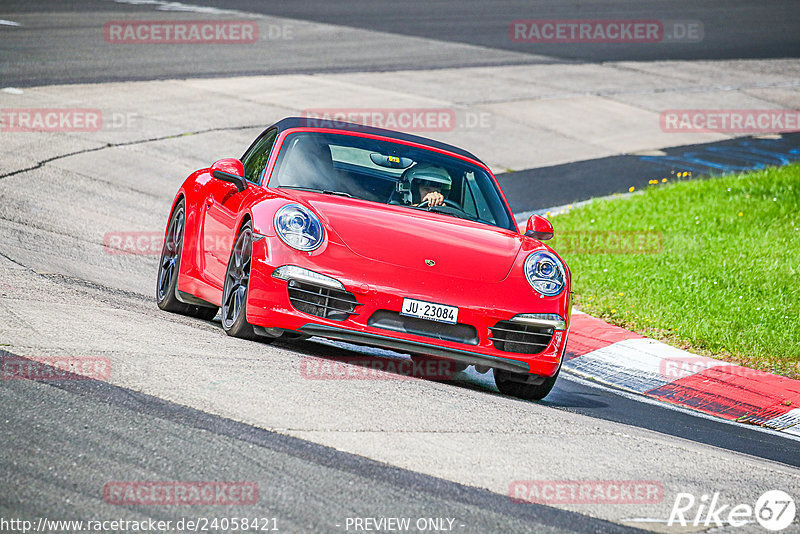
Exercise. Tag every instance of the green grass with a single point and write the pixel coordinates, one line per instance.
(721, 272)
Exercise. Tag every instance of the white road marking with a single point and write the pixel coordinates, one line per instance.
(12, 90)
(179, 6)
(9, 23)
(639, 364)
(788, 422)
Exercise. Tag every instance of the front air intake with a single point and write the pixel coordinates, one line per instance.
(333, 304)
(521, 338)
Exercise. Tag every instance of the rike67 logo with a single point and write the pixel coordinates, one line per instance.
(775, 510)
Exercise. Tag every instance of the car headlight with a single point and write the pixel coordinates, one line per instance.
(545, 273)
(299, 228)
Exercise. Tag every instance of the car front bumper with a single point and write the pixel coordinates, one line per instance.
(379, 289)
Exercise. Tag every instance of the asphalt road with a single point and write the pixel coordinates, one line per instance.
(742, 29)
(58, 43)
(99, 434)
(65, 440)
(65, 43)
(541, 188)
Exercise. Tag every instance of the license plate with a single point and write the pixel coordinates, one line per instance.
(430, 311)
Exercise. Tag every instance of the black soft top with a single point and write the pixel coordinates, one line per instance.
(313, 122)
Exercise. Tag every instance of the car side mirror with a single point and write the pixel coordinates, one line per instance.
(230, 170)
(539, 228)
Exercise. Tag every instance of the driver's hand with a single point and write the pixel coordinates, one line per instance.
(434, 198)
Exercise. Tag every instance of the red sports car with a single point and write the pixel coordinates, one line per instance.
(373, 237)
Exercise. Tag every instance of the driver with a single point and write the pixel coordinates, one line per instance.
(429, 183)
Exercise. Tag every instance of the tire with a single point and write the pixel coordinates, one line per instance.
(202, 312)
(234, 290)
(510, 384)
(169, 267)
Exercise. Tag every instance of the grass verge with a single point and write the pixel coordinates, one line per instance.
(711, 266)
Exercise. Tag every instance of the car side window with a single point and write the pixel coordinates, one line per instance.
(255, 161)
(482, 210)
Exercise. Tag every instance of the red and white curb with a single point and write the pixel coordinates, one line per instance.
(612, 355)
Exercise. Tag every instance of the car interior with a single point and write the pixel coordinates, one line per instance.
(375, 170)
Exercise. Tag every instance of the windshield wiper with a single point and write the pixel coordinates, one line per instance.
(313, 190)
(458, 214)
(338, 193)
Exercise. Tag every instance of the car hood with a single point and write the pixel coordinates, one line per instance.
(413, 239)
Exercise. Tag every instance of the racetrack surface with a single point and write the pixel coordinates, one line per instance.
(186, 402)
(58, 43)
(743, 29)
(558, 185)
(365, 36)
(303, 486)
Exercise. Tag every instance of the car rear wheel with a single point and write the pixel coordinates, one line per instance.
(524, 386)
(237, 281)
(169, 266)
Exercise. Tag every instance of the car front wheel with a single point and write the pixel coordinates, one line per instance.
(237, 281)
(524, 386)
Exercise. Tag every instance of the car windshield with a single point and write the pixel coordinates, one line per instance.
(389, 173)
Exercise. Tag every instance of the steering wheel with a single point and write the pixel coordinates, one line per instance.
(447, 202)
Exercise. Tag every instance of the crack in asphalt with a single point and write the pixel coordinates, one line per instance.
(51, 159)
(12, 260)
